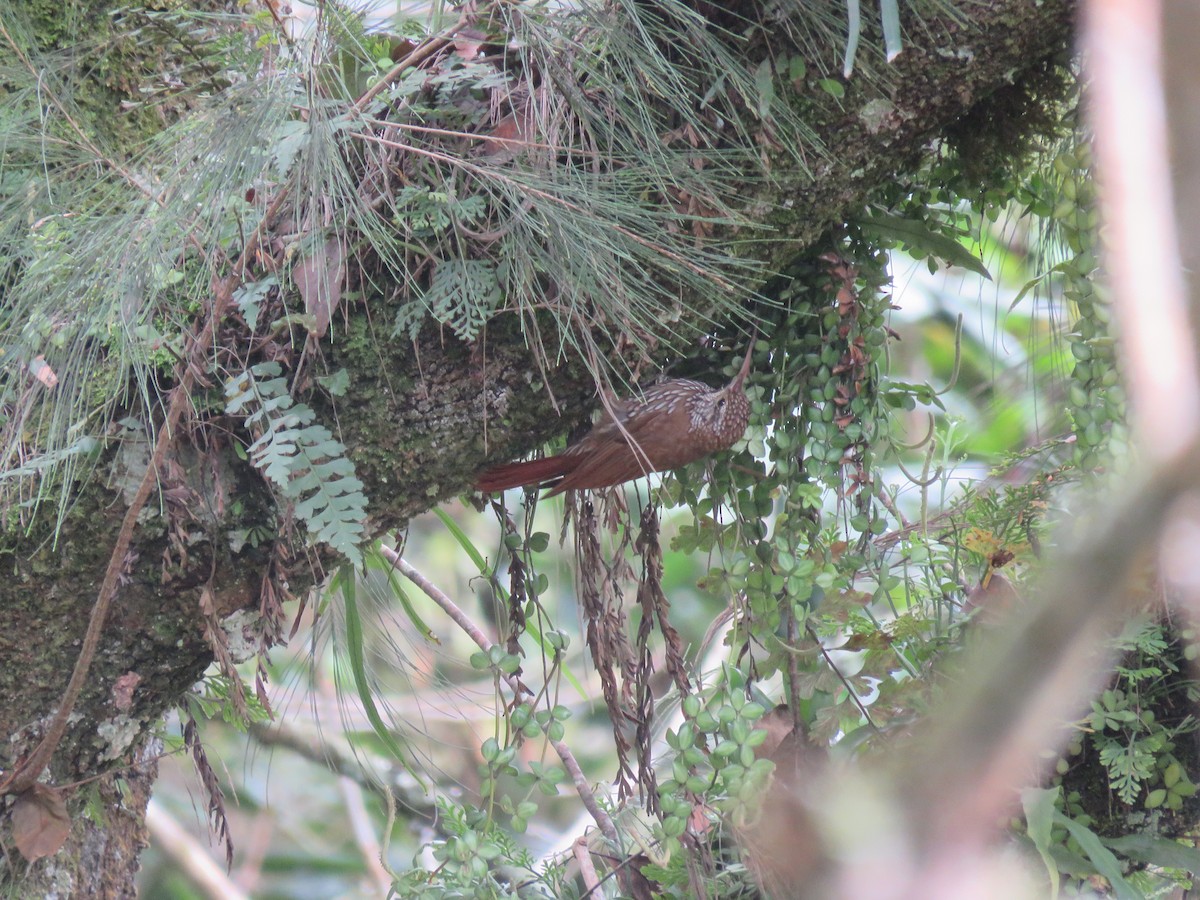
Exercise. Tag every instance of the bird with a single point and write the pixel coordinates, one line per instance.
(671, 424)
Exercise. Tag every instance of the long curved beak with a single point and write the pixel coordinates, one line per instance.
(740, 377)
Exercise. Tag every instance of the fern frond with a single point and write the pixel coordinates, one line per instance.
(301, 458)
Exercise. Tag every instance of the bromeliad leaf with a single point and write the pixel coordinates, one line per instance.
(854, 31)
(1158, 851)
(1101, 857)
(889, 13)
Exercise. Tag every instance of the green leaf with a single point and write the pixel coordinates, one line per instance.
(288, 140)
(797, 69)
(1029, 286)
(916, 234)
(489, 750)
(336, 383)
(345, 581)
(302, 459)
(373, 558)
(832, 87)
(409, 319)
(764, 80)
(1102, 858)
(1157, 851)
(1038, 805)
(463, 541)
(250, 295)
(463, 294)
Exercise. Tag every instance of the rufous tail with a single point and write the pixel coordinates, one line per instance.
(519, 474)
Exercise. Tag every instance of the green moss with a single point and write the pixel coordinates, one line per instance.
(997, 137)
(119, 59)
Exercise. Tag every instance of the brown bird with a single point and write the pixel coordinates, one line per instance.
(673, 423)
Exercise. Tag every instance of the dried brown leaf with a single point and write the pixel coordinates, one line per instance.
(469, 41)
(605, 635)
(42, 372)
(778, 724)
(208, 605)
(40, 823)
(402, 48)
(319, 278)
(218, 818)
(994, 596)
(639, 886)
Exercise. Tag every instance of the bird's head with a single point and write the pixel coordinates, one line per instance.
(727, 411)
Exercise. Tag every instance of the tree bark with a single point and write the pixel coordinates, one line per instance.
(417, 425)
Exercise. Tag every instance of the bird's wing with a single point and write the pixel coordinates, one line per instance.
(643, 417)
(619, 434)
(609, 463)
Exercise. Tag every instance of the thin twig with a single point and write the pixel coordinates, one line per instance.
(842, 678)
(954, 373)
(886, 499)
(463, 621)
(516, 143)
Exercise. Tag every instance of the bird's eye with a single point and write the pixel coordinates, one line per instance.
(721, 403)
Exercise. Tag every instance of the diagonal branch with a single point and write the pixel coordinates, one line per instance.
(463, 621)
